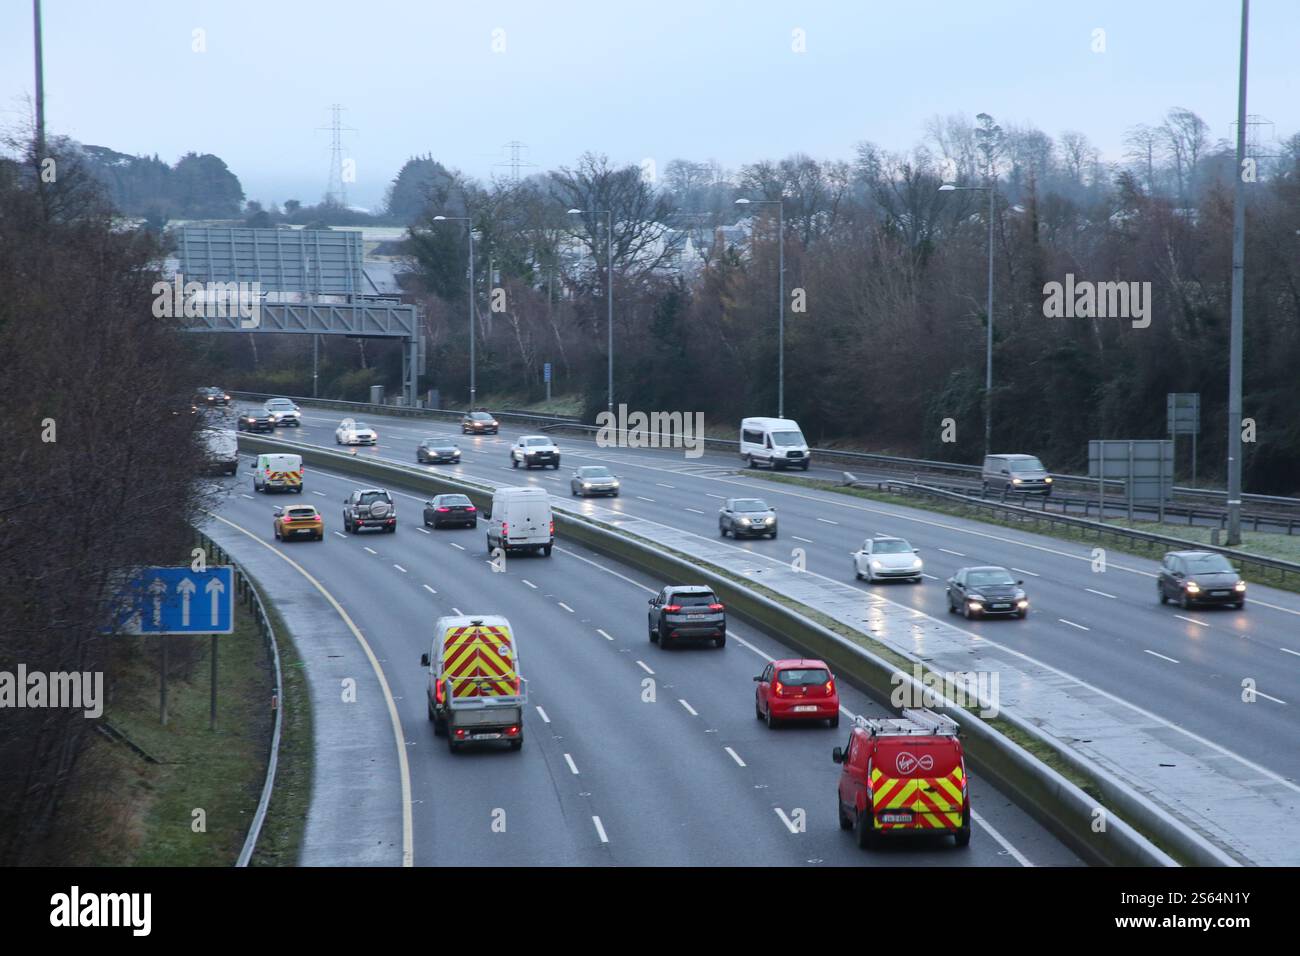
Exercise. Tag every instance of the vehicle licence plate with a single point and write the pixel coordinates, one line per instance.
(485, 736)
(1000, 607)
(805, 708)
(896, 818)
(1218, 593)
(696, 617)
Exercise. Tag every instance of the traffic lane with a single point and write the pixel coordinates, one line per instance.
(645, 827)
(742, 679)
(452, 815)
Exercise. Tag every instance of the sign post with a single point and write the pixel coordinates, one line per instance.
(173, 601)
(1183, 414)
(546, 374)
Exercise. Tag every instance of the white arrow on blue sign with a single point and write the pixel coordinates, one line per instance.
(178, 601)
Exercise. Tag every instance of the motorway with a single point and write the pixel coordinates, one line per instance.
(605, 776)
(1102, 627)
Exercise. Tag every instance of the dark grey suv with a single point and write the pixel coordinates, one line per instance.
(1200, 577)
(687, 611)
(742, 517)
(369, 508)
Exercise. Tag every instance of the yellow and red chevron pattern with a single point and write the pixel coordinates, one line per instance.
(935, 802)
(288, 477)
(477, 659)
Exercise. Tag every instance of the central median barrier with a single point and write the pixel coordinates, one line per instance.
(1101, 817)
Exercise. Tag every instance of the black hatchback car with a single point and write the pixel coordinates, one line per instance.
(991, 590)
(211, 396)
(687, 611)
(443, 510)
(433, 451)
(1199, 577)
(258, 420)
(479, 423)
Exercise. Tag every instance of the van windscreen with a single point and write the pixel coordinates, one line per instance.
(787, 438)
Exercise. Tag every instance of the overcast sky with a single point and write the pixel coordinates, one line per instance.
(696, 79)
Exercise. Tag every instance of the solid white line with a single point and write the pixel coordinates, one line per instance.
(400, 568)
(1260, 693)
(429, 589)
(457, 546)
(1287, 650)
(542, 714)
(370, 549)
(600, 830)
(566, 607)
(403, 764)
(604, 634)
(644, 498)
(1030, 573)
(1161, 656)
(1101, 593)
(689, 709)
(572, 766)
(734, 756)
(804, 540)
(696, 510)
(827, 521)
(529, 583)
(957, 553)
(1190, 620)
(1002, 841)
(1072, 624)
(789, 824)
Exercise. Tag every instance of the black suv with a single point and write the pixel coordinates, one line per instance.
(1200, 577)
(258, 420)
(685, 610)
(369, 508)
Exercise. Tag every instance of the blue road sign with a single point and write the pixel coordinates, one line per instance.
(177, 601)
(546, 372)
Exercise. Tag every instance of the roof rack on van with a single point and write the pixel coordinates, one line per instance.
(916, 722)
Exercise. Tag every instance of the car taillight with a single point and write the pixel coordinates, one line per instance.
(717, 607)
(505, 529)
(471, 508)
(778, 688)
(460, 733)
(437, 693)
(442, 509)
(315, 518)
(516, 684)
(512, 731)
(672, 608)
(830, 687)
(552, 526)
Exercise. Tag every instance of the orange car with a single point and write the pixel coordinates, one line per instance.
(297, 521)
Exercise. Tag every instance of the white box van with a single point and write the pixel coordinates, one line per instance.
(220, 450)
(521, 520)
(281, 472)
(775, 442)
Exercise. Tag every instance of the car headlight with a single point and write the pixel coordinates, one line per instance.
(744, 521)
(976, 606)
(614, 485)
(456, 453)
(586, 484)
(1193, 587)
(1015, 481)
(917, 564)
(876, 564)
(1239, 586)
(769, 520)
(1047, 480)
(1022, 604)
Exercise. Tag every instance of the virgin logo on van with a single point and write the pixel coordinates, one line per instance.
(906, 762)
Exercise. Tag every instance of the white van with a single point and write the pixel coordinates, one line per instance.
(521, 520)
(775, 442)
(281, 472)
(220, 451)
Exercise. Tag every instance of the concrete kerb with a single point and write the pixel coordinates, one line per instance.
(1059, 804)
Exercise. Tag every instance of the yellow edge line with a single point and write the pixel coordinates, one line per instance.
(408, 852)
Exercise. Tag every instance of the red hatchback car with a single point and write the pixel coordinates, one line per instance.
(798, 689)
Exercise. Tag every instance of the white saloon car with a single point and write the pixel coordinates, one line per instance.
(352, 432)
(882, 558)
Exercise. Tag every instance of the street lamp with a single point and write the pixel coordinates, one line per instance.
(780, 295)
(609, 290)
(469, 226)
(988, 357)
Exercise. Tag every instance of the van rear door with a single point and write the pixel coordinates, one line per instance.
(530, 520)
(917, 783)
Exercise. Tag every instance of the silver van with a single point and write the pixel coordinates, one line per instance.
(1023, 473)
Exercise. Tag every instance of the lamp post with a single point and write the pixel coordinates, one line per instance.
(609, 292)
(469, 227)
(780, 295)
(988, 356)
(1238, 293)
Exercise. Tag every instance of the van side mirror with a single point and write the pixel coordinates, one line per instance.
(838, 755)
(1020, 584)
(759, 677)
(651, 602)
(424, 660)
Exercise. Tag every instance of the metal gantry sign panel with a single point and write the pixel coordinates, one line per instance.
(312, 261)
(1145, 466)
(1183, 413)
